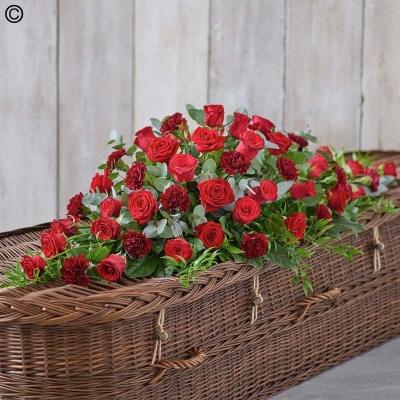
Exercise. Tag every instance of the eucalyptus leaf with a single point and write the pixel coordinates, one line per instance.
(176, 229)
(283, 188)
(167, 233)
(199, 211)
(270, 145)
(113, 135)
(156, 123)
(150, 231)
(209, 166)
(196, 114)
(161, 184)
(161, 226)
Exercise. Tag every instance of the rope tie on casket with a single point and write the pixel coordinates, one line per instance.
(378, 247)
(161, 336)
(257, 299)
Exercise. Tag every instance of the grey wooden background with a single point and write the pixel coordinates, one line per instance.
(73, 70)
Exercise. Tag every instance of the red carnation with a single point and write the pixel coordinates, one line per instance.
(110, 207)
(323, 212)
(302, 189)
(215, 193)
(144, 137)
(143, 206)
(135, 175)
(234, 162)
(211, 234)
(105, 228)
(73, 270)
(262, 124)
(254, 245)
(32, 264)
(65, 226)
(111, 268)
(52, 243)
(136, 244)
(246, 210)
(207, 140)
(326, 149)
(356, 167)
(287, 168)
(114, 157)
(281, 140)
(101, 182)
(296, 224)
(182, 167)
(269, 190)
(178, 248)
(250, 144)
(171, 123)
(162, 149)
(239, 125)
(74, 207)
(175, 198)
(318, 166)
(337, 198)
(214, 115)
(298, 140)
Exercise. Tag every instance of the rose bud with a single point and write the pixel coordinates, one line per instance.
(356, 167)
(211, 234)
(337, 198)
(101, 182)
(239, 125)
(110, 207)
(233, 162)
(323, 212)
(135, 175)
(257, 196)
(269, 190)
(215, 193)
(144, 137)
(296, 224)
(388, 168)
(262, 124)
(326, 149)
(73, 270)
(299, 140)
(52, 243)
(303, 189)
(143, 206)
(111, 268)
(175, 198)
(162, 149)
(177, 248)
(250, 144)
(287, 168)
(214, 115)
(246, 210)
(105, 228)
(171, 124)
(360, 192)
(136, 244)
(281, 140)
(32, 264)
(65, 226)
(318, 166)
(207, 140)
(254, 245)
(182, 167)
(74, 208)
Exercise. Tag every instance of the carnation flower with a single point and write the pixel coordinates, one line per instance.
(74, 207)
(287, 168)
(298, 140)
(234, 162)
(135, 176)
(114, 157)
(254, 245)
(171, 123)
(175, 198)
(136, 244)
(73, 270)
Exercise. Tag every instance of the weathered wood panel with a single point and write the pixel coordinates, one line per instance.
(381, 75)
(28, 128)
(171, 56)
(246, 61)
(95, 86)
(323, 69)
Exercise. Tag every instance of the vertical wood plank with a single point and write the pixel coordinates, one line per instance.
(95, 86)
(171, 53)
(28, 126)
(323, 69)
(246, 64)
(381, 75)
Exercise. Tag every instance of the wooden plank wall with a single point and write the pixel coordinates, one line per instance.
(72, 71)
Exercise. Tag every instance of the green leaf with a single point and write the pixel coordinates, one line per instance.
(98, 254)
(156, 123)
(209, 166)
(281, 257)
(161, 184)
(234, 250)
(142, 267)
(197, 115)
(199, 211)
(131, 150)
(113, 135)
(242, 110)
(158, 246)
(297, 156)
(150, 231)
(161, 226)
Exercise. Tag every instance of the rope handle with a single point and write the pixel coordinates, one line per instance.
(332, 294)
(197, 358)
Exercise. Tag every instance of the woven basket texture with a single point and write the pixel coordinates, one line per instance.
(68, 342)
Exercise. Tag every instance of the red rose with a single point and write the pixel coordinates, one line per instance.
(73, 270)
(177, 248)
(105, 228)
(254, 245)
(211, 234)
(207, 140)
(356, 167)
(318, 166)
(135, 175)
(302, 189)
(360, 192)
(144, 137)
(111, 268)
(143, 206)
(323, 212)
(246, 210)
(269, 190)
(182, 167)
(74, 207)
(136, 244)
(296, 224)
(101, 182)
(114, 157)
(171, 123)
(326, 149)
(281, 140)
(214, 115)
(32, 264)
(250, 144)
(390, 169)
(298, 140)
(337, 198)
(110, 207)
(340, 175)
(233, 162)
(52, 243)
(375, 178)
(287, 168)
(239, 125)
(215, 193)
(175, 198)
(162, 149)
(262, 124)
(65, 226)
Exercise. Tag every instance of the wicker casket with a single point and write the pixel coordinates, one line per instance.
(236, 333)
